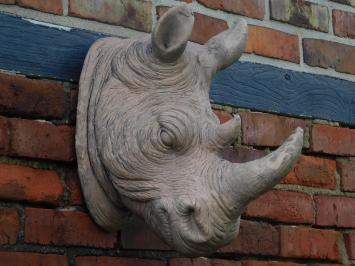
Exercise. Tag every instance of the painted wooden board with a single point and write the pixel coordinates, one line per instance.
(272, 89)
(48, 52)
(42, 51)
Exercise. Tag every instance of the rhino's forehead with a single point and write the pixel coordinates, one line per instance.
(138, 69)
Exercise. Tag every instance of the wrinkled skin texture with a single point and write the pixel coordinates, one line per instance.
(148, 143)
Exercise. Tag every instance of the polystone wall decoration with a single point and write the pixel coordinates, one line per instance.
(149, 145)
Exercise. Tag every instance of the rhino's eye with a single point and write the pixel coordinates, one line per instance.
(166, 138)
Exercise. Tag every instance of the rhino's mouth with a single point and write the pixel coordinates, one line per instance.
(190, 236)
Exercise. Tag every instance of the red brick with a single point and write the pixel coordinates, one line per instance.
(241, 154)
(270, 263)
(333, 140)
(349, 239)
(301, 242)
(325, 54)
(273, 43)
(283, 206)
(68, 228)
(52, 6)
(254, 239)
(73, 105)
(202, 262)
(300, 13)
(249, 8)
(328, 264)
(25, 183)
(7, 2)
(115, 261)
(205, 27)
(23, 96)
(9, 258)
(346, 170)
(137, 235)
(9, 226)
(268, 130)
(345, 2)
(223, 116)
(313, 172)
(4, 136)
(335, 211)
(343, 24)
(73, 184)
(42, 140)
(134, 14)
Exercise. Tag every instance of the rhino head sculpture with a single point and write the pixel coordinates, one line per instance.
(148, 143)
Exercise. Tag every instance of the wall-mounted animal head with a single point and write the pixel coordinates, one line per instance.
(148, 143)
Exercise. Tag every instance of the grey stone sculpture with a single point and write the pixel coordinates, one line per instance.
(148, 143)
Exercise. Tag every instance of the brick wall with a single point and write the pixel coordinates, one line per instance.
(309, 219)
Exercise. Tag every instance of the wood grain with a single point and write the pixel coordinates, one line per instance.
(271, 89)
(41, 51)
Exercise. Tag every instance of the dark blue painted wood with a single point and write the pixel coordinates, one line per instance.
(48, 52)
(42, 51)
(272, 89)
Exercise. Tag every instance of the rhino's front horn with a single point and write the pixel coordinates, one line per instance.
(172, 32)
(241, 183)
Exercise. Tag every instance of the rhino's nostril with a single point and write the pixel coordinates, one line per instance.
(190, 210)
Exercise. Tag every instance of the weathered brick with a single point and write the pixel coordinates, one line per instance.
(223, 116)
(301, 242)
(349, 239)
(68, 228)
(273, 43)
(254, 239)
(205, 27)
(42, 140)
(4, 136)
(25, 183)
(249, 8)
(326, 54)
(202, 262)
(115, 261)
(300, 13)
(40, 98)
(241, 154)
(283, 206)
(332, 264)
(137, 235)
(332, 140)
(345, 2)
(73, 105)
(73, 184)
(344, 23)
(268, 130)
(7, 2)
(346, 170)
(9, 258)
(134, 14)
(335, 211)
(53, 6)
(9, 226)
(270, 263)
(313, 172)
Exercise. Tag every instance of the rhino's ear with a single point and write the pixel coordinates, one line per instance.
(172, 32)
